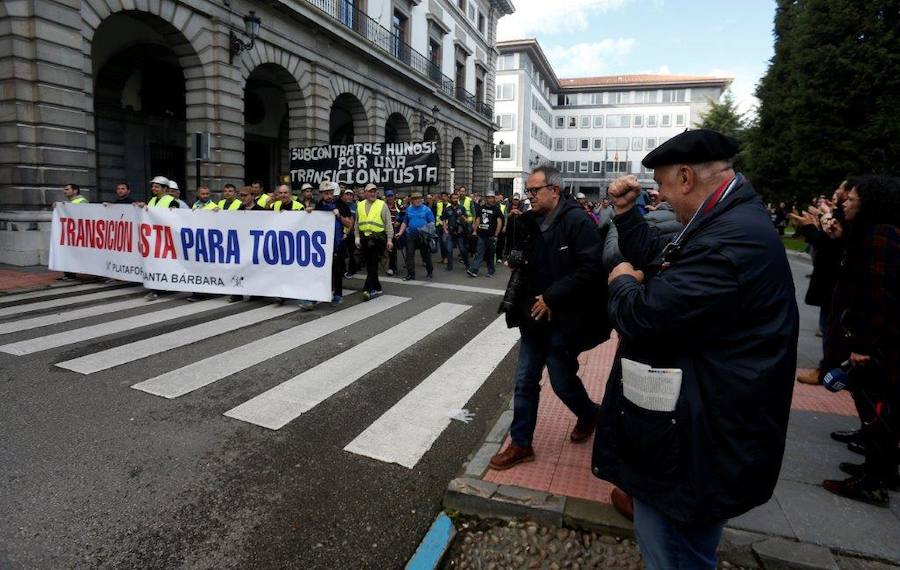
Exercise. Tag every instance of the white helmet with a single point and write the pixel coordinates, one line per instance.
(161, 180)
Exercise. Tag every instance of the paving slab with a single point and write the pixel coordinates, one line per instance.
(768, 519)
(822, 518)
(780, 554)
(736, 547)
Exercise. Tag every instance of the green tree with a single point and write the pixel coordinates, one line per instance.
(723, 116)
(830, 100)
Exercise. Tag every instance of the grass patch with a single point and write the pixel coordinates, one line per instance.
(794, 244)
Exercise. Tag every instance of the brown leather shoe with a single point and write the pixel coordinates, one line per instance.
(623, 503)
(512, 456)
(810, 376)
(583, 429)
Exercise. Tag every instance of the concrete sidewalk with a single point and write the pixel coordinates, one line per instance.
(15, 279)
(801, 526)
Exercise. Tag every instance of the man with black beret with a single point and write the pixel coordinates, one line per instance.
(695, 414)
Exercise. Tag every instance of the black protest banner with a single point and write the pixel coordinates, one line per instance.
(391, 165)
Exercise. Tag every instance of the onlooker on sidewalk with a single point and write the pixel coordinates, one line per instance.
(826, 260)
(713, 319)
(865, 331)
(557, 298)
(374, 234)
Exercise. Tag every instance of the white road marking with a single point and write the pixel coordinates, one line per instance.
(28, 307)
(50, 291)
(204, 372)
(112, 327)
(277, 407)
(92, 311)
(407, 431)
(433, 285)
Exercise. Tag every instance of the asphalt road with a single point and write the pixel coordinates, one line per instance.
(97, 474)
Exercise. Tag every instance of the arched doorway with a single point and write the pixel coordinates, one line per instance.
(457, 164)
(273, 118)
(347, 123)
(479, 178)
(140, 114)
(396, 129)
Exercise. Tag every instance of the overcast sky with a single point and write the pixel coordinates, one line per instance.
(584, 38)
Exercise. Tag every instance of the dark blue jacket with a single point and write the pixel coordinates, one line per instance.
(722, 310)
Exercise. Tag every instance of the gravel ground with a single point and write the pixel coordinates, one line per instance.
(501, 545)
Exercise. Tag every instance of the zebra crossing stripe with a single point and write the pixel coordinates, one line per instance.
(204, 372)
(53, 303)
(433, 285)
(75, 314)
(407, 431)
(143, 348)
(50, 291)
(277, 407)
(112, 327)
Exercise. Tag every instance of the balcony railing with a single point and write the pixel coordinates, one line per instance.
(350, 16)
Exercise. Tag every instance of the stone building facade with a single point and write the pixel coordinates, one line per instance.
(95, 92)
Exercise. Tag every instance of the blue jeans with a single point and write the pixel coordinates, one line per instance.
(669, 545)
(484, 251)
(545, 347)
(459, 241)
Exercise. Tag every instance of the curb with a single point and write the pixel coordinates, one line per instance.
(469, 494)
(59, 285)
(435, 544)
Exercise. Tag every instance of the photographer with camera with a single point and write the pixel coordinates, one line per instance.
(557, 297)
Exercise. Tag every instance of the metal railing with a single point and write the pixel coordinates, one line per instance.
(350, 16)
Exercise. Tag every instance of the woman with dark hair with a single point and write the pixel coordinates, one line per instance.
(864, 331)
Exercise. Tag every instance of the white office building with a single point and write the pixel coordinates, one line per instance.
(594, 129)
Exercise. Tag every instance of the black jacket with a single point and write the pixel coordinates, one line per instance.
(723, 311)
(662, 218)
(566, 267)
(827, 255)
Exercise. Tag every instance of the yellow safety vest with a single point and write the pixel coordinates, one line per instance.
(208, 206)
(234, 205)
(160, 202)
(467, 206)
(295, 205)
(79, 200)
(263, 201)
(439, 210)
(370, 222)
(503, 209)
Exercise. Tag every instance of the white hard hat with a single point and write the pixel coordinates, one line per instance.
(160, 180)
(307, 186)
(580, 195)
(173, 185)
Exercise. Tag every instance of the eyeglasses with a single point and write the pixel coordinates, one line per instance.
(537, 189)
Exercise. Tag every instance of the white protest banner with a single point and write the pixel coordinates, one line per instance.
(272, 254)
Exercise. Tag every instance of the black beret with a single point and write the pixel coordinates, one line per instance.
(692, 147)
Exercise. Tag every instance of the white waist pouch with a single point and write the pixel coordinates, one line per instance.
(654, 389)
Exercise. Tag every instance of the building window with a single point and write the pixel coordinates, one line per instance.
(585, 144)
(651, 143)
(571, 144)
(598, 144)
(481, 23)
(472, 11)
(679, 120)
(560, 122)
(461, 4)
(618, 121)
(674, 96)
(598, 166)
(573, 122)
(571, 166)
(617, 143)
(666, 121)
(505, 62)
(506, 91)
(583, 166)
(585, 122)
(619, 97)
(618, 167)
(636, 143)
(598, 121)
(637, 121)
(651, 120)
(506, 121)
(400, 39)
(503, 151)
(559, 144)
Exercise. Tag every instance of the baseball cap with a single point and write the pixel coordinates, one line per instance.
(348, 191)
(388, 193)
(580, 195)
(490, 193)
(370, 186)
(160, 180)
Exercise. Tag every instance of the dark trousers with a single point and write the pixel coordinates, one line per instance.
(501, 246)
(877, 403)
(418, 242)
(350, 248)
(372, 249)
(541, 347)
(484, 251)
(459, 241)
(337, 271)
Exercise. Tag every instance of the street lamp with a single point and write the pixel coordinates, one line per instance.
(251, 29)
(425, 122)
